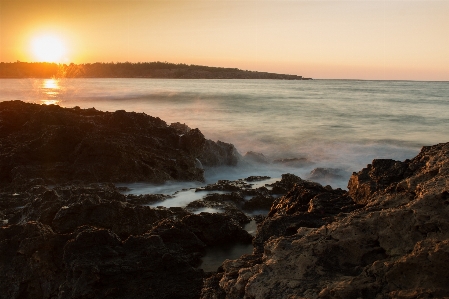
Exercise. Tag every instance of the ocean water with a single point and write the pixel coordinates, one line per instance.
(337, 124)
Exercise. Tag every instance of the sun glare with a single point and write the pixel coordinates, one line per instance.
(48, 48)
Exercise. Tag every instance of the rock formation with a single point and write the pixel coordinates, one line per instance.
(67, 231)
(390, 241)
(88, 241)
(68, 144)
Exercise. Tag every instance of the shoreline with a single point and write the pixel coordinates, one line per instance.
(132, 70)
(68, 231)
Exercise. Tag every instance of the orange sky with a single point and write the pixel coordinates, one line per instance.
(359, 39)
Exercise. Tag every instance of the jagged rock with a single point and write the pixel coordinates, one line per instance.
(179, 238)
(294, 162)
(68, 144)
(378, 175)
(257, 178)
(285, 184)
(256, 157)
(100, 265)
(30, 261)
(219, 153)
(216, 229)
(396, 246)
(229, 270)
(261, 198)
(64, 209)
(226, 185)
(121, 218)
(261, 201)
(320, 173)
(180, 128)
(308, 204)
(79, 251)
(228, 204)
(145, 199)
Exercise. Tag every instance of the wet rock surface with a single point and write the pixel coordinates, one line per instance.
(81, 238)
(240, 195)
(387, 237)
(68, 144)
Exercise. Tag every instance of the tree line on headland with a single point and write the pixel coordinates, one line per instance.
(131, 70)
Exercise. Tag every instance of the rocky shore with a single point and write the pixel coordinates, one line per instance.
(68, 231)
(71, 144)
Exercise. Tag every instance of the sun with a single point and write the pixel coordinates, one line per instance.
(48, 48)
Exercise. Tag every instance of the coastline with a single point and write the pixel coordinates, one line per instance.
(161, 70)
(69, 232)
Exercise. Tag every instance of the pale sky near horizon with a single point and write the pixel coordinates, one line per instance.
(358, 39)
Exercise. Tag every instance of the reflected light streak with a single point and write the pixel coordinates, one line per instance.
(51, 90)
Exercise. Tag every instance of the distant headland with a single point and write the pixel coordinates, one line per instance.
(131, 70)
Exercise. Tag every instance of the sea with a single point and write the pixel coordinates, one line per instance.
(298, 126)
(335, 124)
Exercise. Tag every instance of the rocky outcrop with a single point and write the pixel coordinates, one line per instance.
(392, 241)
(386, 237)
(242, 196)
(69, 144)
(307, 205)
(88, 241)
(91, 263)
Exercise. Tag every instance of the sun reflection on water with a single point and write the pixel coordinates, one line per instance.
(51, 91)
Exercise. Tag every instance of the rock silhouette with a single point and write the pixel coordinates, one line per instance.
(71, 144)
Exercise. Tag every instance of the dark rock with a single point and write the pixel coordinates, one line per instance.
(296, 162)
(180, 239)
(325, 173)
(285, 184)
(99, 265)
(226, 185)
(67, 144)
(256, 157)
(256, 178)
(180, 128)
(91, 263)
(311, 197)
(64, 209)
(216, 229)
(219, 153)
(223, 202)
(31, 261)
(145, 199)
(121, 218)
(261, 201)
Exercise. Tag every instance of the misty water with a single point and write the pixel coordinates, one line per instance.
(342, 124)
(338, 124)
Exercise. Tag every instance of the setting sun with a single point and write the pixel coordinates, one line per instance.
(48, 48)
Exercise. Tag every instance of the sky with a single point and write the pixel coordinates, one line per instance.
(323, 39)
